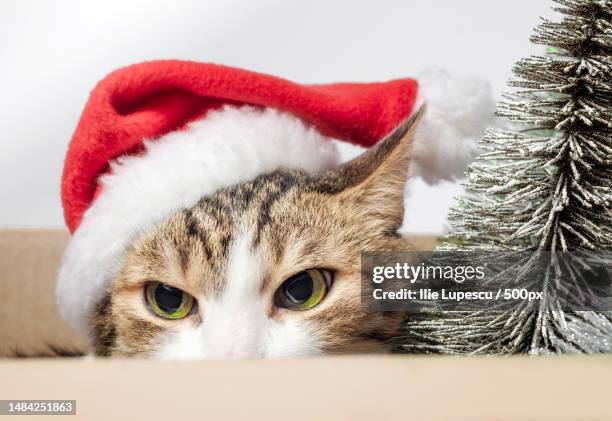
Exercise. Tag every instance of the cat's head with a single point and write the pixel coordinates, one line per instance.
(270, 267)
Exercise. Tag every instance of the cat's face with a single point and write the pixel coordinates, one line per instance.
(266, 268)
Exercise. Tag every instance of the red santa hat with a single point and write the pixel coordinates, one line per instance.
(157, 136)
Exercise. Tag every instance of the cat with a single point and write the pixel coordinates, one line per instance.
(265, 268)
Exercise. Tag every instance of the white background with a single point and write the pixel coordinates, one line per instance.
(53, 52)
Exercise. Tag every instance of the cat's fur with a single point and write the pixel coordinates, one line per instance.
(234, 248)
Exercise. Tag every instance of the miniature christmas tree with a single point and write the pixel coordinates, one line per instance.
(545, 186)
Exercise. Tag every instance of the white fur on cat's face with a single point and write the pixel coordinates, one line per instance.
(234, 249)
(236, 324)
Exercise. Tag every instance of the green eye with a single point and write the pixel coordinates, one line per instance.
(168, 302)
(304, 290)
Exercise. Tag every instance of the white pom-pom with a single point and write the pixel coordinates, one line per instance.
(459, 109)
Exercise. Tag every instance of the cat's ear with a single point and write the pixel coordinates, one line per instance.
(374, 182)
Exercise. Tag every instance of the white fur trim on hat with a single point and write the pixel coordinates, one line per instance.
(228, 146)
(235, 144)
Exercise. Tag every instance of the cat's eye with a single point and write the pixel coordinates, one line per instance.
(303, 290)
(168, 302)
